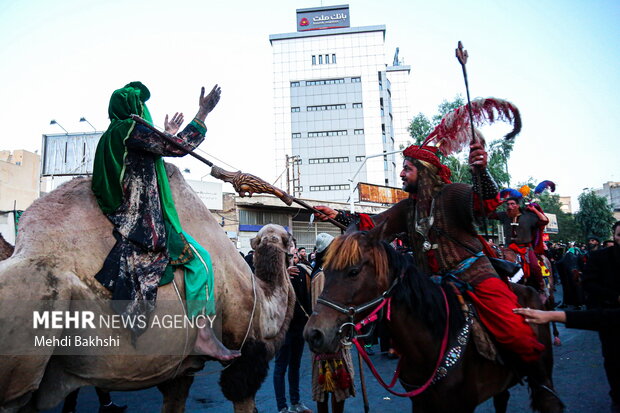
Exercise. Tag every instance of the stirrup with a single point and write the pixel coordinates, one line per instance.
(552, 392)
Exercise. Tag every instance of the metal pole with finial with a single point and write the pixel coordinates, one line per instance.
(462, 55)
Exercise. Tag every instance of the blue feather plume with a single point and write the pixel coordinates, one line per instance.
(510, 193)
(544, 185)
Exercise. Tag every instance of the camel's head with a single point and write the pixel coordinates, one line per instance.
(272, 248)
(274, 236)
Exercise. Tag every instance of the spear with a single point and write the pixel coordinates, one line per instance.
(244, 184)
(462, 55)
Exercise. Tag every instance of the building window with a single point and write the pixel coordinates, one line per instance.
(359, 158)
(329, 187)
(357, 105)
(356, 79)
(327, 133)
(299, 189)
(247, 217)
(359, 131)
(340, 159)
(295, 109)
(320, 60)
(326, 107)
(294, 84)
(323, 82)
(296, 135)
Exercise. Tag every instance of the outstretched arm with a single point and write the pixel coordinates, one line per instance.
(541, 317)
(395, 218)
(586, 320)
(144, 139)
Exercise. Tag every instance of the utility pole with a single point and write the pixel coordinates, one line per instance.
(292, 175)
(288, 178)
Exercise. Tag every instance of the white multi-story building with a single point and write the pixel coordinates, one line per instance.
(611, 192)
(336, 102)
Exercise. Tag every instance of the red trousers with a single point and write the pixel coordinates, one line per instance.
(494, 302)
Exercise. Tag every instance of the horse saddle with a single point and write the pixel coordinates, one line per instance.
(485, 345)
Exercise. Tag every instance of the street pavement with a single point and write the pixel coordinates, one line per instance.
(579, 379)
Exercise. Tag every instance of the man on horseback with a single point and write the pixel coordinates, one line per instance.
(523, 234)
(438, 221)
(132, 189)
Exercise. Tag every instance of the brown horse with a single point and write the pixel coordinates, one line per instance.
(549, 303)
(359, 270)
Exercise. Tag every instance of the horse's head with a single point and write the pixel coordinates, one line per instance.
(356, 272)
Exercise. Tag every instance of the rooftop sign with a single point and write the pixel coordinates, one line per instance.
(380, 194)
(69, 154)
(323, 18)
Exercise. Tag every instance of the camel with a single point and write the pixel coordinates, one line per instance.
(62, 242)
(6, 249)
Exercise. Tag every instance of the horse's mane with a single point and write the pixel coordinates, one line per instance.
(421, 296)
(417, 292)
(345, 251)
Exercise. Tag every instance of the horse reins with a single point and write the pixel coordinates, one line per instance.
(385, 299)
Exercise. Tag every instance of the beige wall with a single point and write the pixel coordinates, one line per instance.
(566, 204)
(19, 179)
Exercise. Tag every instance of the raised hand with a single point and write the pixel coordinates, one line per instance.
(207, 103)
(174, 125)
(327, 213)
(477, 155)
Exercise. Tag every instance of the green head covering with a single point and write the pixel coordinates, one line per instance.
(109, 164)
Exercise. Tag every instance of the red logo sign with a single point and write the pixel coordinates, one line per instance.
(304, 22)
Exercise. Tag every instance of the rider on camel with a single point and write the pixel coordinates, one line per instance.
(132, 189)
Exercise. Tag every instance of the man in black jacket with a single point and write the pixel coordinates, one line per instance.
(601, 281)
(289, 355)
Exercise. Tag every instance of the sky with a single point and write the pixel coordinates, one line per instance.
(556, 60)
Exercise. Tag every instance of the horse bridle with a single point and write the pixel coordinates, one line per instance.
(352, 311)
(377, 303)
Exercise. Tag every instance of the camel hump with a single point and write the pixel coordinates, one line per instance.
(61, 220)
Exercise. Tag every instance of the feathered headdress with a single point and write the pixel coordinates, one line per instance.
(454, 131)
(540, 188)
(525, 190)
(510, 193)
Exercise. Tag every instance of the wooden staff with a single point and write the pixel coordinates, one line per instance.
(462, 55)
(245, 184)
(363, 383)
